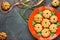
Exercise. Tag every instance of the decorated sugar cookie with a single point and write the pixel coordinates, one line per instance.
(38, 18)
(46, 13)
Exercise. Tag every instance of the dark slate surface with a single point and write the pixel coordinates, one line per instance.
(14, 25)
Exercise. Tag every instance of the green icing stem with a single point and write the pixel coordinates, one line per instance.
(41, 13)
(33, 22)
(57, 24)
(51, 34)
(39, 34)
(52, 13)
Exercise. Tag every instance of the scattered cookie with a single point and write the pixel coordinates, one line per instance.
(55, 3)
(3, 36)
(5, 6)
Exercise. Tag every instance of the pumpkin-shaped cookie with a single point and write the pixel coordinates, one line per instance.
(55, 3)
(3, 36)
(54, 19)
(38, 18)
(45, 23)
(38, 28)
(46, 13)
(5, 5)
(53, 27)
(45, 32)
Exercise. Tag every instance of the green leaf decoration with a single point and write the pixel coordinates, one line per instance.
(57, 24)
(39, 34)
(51, 34)
(41, 13)
(33, 22)
(52, 13)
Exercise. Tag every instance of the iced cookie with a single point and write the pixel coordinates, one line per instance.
(55, 3)
(5, 5)
(38, 28)
(53, 27)
(53, 19)
(38, 18)
(45, 23)
(45, 32)
(3, 36)
(46, 13)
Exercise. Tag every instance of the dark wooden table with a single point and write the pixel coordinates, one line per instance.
(15, 26)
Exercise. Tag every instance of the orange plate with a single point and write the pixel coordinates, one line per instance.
(31, 18)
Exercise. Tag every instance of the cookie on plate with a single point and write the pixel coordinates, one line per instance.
(46, 13)
(38, 18)
(54, 19)
(38, 28)
(53, 27)
(46, 23)
(45, 32)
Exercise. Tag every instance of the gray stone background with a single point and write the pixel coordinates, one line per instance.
(15, 26)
